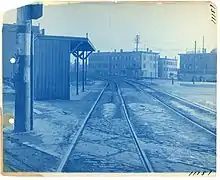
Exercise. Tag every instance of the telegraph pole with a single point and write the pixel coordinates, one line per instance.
(137, 42)
(203, 42)
(24, 78)
(194, 64)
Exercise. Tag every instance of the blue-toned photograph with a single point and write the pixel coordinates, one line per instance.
(115, 87)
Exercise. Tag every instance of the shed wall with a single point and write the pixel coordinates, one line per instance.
(51, 69)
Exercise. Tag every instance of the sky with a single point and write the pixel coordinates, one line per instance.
(168, 28)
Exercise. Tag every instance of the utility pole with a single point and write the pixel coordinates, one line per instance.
(194, 64)
(24, 76)
(137, 42)
(203, 43)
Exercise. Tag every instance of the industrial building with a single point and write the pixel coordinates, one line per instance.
(167, 68)
(133, 64)
(200, 66)
(9, 47)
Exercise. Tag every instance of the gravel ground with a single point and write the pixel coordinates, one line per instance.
(201, 92)
(106, 144)
(171, 143)
(54, 126)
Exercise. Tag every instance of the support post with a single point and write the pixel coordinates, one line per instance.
(86, 63)
(86, 66)
(151, 77)
(32, 78)
(83, 88)
(77, 73)
(22, 90)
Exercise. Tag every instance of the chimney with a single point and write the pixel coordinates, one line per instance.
(98, 51)
(114, 50)
(150, 50)
(165, 57)
(147, 49)
(121, 50)
(42, 31)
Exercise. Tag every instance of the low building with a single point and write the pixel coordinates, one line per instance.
(198, 66)
(129, 64)
(167, 68)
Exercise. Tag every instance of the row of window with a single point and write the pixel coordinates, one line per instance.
(170, 63)
(170, 69)
(113, 66)
(150, 58)
(151, 65)
(113, 58)
(190, 66)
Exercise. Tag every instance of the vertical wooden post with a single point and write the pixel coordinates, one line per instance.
(32, 77)
(86, 61)
(77, 73)
(83, 78)
(23, 85)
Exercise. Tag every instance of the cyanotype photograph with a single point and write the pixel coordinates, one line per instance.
(110, 87)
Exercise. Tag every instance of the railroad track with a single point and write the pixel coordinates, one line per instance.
(106, 141)
(193, 104)
(164, 99)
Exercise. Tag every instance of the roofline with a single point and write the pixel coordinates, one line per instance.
(60, 37)
(125, 52)
(173, 59)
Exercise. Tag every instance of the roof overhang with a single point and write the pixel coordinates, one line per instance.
(76, 43)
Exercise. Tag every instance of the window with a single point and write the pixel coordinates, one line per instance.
(190, 66)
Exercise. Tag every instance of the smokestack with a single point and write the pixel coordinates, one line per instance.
(203, 44)
(114, 50)
(147, 49)
(121, 50)
(165, 57)
(195, 47)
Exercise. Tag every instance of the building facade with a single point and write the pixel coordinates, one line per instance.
(9, 47)
(200, 66)
(128, 64)
(167, 68)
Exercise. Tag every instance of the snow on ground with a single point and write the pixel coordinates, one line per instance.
(170, 142)
(8, 89)
(56, 122)
(191, 111)
(203, 93)
(109, 110)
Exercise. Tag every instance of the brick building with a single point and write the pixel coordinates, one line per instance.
(167, 67)
(200, 66)
(129, 64)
